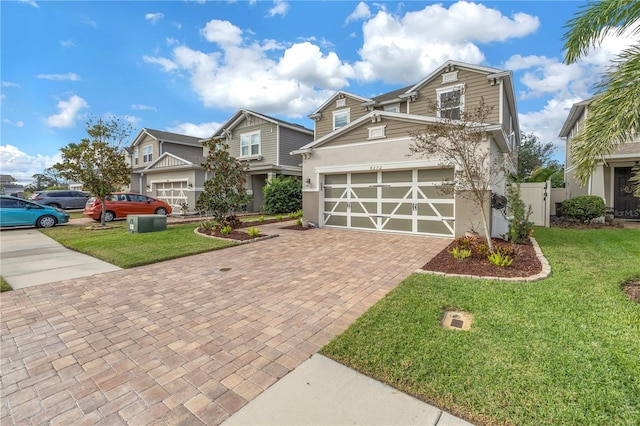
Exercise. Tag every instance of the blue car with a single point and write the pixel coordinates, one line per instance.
(15, 211)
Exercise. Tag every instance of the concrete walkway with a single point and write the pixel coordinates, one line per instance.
(193, 340)
(31, 258)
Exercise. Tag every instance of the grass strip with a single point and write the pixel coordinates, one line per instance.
(565, 350)
(126, 250)
(4, 285)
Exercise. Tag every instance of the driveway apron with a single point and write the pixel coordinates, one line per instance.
(191, 340)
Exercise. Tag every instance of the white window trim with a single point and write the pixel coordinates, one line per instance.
(340, 112)
(449, 77)
(447, 89)
(249, 135)
(147, 153)
(342, 102)
(136, 156)
(377, 132)
(391, 107)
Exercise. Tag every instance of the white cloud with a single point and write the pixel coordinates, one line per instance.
(154, 17)
(141, 107)
(19, 123)
(88, 21)
(547, 122)
(222, 32)
(305, 63)
(22, 166)
(167, 64)
(202, 130)
(30, 3)
(69, 111)
(361, 11)
(59, 77)
(405, 49)
(10, 84)
(280, 7)
(67, 43)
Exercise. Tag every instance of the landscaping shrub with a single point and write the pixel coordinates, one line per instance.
(520, 228)
(584, 208)
(282, 195)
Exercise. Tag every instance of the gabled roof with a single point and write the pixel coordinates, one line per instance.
(453, 64)
(575, 113)
(163, 136)
(335, 95)
(184, 161)
(241, 114)
(495, 130)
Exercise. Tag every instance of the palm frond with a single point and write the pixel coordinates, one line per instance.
(592, 23)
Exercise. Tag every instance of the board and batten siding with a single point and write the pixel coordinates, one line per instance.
(476, 86)
(290, 140)
(324, 126)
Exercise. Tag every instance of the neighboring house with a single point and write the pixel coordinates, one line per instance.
(610, 177)
(358, 173)
(9, 186)
(265, 144)
(166, 166)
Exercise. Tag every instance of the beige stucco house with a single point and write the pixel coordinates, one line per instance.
(358, 172)
(610, 177)
(264, 143)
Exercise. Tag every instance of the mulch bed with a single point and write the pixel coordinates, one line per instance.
(525, 263)
(296, 228)
(234, 235)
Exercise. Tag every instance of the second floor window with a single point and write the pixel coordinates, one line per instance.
(147, 153)
(340, 118)
(135, 156)
(451, 102)
(250, 144)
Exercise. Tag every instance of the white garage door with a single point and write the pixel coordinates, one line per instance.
(172, 192)
(409, 201)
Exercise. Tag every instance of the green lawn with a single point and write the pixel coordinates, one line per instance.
(126, 250)
(4, 285)
(565, 350)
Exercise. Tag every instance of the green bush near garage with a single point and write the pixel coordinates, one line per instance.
(282, 195)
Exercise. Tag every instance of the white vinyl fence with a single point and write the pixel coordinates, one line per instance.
(538, 196)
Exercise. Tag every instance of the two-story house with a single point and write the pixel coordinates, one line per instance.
(610, 177)
(358, 172)
(167, 166)
(264, 143)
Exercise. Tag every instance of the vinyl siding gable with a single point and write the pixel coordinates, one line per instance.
(291, 140)
(476, 87)
(268, 137)
(324, 125)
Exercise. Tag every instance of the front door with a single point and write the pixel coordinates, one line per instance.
(625, 205)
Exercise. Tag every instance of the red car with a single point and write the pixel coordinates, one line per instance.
(121, 204)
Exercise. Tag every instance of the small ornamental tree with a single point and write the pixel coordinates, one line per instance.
(224, 191)
(463, 142)
(96, 161)
(282, 195)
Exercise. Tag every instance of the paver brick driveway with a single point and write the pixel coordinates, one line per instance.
(182, 342)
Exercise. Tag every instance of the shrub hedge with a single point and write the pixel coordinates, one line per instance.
(584, 208)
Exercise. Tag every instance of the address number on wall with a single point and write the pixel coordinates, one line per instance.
(375, 167)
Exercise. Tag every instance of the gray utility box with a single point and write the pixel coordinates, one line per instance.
(146, 223)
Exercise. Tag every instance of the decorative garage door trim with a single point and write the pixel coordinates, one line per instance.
(172, 192)
(407, 201)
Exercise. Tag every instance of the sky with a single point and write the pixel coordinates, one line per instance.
(187, 66)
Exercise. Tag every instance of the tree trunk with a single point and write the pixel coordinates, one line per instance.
(485, 225)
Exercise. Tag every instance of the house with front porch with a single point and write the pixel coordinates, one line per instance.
(264, 143)
(610, 177)
(166, 165)
(358, 172)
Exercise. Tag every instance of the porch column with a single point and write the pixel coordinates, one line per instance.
(597, 182)
(270, 176)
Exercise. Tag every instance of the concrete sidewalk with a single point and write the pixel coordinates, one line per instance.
(31, 258)
(324, 392)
